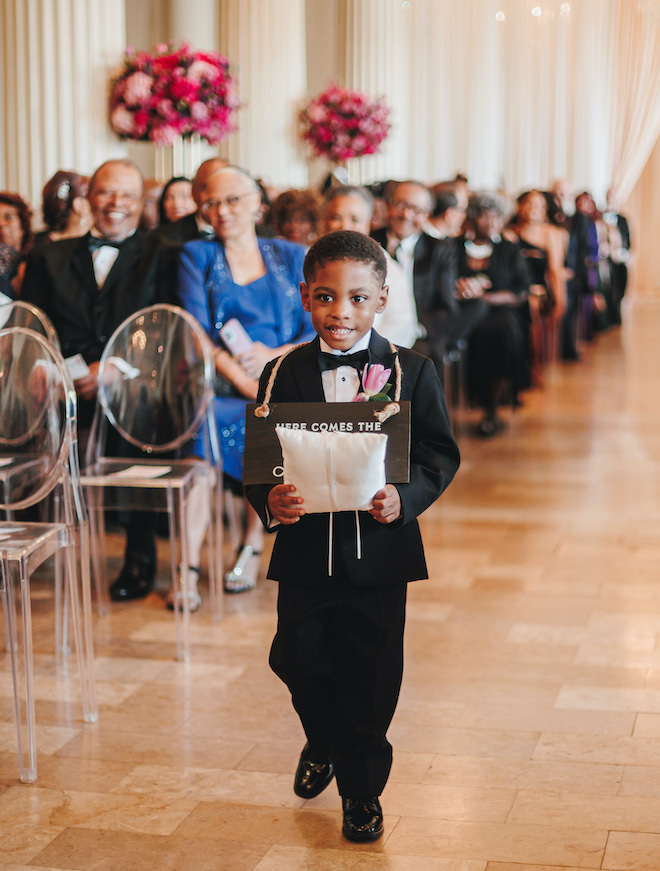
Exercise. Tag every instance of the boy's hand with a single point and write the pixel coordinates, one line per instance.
(283, 505)
(386, 505)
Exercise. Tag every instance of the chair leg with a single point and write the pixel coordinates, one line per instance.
(79, 586)
(21, 665)
(216, 533)
(179, 558)
(61, 591)
(97, 541)
(234, 522)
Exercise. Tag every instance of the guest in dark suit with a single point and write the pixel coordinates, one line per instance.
(339, 641)
(88, 286)
(618, 233)
(430, 265)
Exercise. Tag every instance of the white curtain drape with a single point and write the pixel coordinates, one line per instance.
(514, 93)
(266, 40)
(637, 121)
(55, 60)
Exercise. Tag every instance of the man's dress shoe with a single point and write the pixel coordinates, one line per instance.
(312, 775)
(135, 580)
(363, 818)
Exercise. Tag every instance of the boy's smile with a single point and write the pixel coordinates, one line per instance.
(343, 298)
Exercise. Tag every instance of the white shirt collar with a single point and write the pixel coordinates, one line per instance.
(202, 225)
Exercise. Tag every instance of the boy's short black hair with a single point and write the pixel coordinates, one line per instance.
(345, 245)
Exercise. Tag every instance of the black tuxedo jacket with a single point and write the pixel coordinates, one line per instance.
(178, 232)
(391, 553)
(59, 278)
(434, 282)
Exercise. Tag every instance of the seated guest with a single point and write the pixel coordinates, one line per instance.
(429, 265)
(152, 192)
(544, 248)
(565, 198)
(619, 252)
(64, 207)
(448, 214)
(88, 286)
(264, 225)
(381, 192)
(297, 216)
(6, 266)
(192, 226)
(586, 210)
(350, 208)
(176, 200)
(16, 232)
(255, 281)
(491, 268)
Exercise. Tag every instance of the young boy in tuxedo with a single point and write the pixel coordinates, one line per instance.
(339, 640)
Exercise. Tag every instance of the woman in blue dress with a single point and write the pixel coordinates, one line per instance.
(257, 282)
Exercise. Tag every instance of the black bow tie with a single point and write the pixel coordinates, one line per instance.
(94, 243)
(207, 234)
(358, 360)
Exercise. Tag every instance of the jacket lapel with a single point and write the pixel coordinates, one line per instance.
(380, 351)
(82, 266)
(306, 373)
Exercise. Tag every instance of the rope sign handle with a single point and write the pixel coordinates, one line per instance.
(391, 409)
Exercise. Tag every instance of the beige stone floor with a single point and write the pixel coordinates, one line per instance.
(527, 737)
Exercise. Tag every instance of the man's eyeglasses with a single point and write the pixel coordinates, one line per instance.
(231, 202)
(401, 206)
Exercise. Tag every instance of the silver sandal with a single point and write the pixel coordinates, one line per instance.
(236, 581)
(194, 599)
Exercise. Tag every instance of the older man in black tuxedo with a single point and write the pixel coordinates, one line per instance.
(430, 265)
(88, 286)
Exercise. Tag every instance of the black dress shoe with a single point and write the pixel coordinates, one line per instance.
(312, 775)
(363, 818)
(135, 580)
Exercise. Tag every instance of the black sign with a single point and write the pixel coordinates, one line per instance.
(262, 462)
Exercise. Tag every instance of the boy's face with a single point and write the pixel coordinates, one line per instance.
(343, 298)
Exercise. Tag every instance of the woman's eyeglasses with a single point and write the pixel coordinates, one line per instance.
(231, 202)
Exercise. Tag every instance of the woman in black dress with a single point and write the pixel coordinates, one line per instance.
(491, 267)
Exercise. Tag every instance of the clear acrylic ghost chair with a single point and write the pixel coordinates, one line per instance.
(17, 313)
(38, 451)
(23, 314)
(156, 389)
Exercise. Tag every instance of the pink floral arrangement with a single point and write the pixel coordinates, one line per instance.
(341, 124)
(374, 384)
(173, 92)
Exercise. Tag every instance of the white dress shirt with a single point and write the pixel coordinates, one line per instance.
(343, 383)
(398, 322)
(103, 260)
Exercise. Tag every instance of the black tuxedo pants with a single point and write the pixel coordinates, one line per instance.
(339, 649)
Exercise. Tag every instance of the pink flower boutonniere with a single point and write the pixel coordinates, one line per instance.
(375, 384)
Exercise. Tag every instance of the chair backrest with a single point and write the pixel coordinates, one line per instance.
(155, 378)
(23, 314)
(37, 417)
